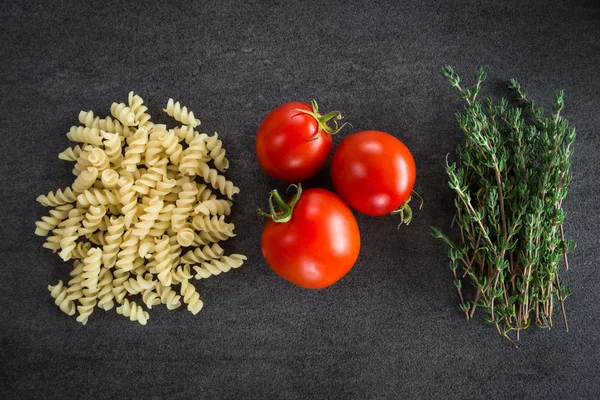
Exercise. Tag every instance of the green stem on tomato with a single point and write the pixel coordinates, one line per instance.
(405, 211)
(323, 120)
(282, 211)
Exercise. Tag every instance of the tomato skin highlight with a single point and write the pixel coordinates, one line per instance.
(373, 172)
(318, 245)
(284, 147)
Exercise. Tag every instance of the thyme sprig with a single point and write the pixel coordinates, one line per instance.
(510, 180)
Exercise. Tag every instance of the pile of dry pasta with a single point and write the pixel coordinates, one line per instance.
(142, 216)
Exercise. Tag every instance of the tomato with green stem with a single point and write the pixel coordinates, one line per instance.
(374, 172)
(313, 240)
(293, 142)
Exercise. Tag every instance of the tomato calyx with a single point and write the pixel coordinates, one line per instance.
(323, 120)
(282, 211)
(405, 211)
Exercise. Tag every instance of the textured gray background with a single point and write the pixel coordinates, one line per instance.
(390, 328)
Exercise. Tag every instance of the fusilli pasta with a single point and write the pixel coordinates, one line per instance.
(62, 299)
(191, 297)
(60, 197)
(135, 205)
(217, 153)
(195, 155)
(185, 203)
(49, 222)
(181, 114)
(123, 113)
(215, 267)
(217, 181)
(214, 207)
(85, 135)
(133, 311)
(200, 255)
(69, 235)
(133, 153)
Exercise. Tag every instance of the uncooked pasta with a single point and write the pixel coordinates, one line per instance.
(143, 215)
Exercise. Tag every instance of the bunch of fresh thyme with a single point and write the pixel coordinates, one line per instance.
(510, 181)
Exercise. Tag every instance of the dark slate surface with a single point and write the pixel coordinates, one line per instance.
(390, 328)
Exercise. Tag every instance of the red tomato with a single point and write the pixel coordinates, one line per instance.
(294, 141)
(373, 172)
(318, 245)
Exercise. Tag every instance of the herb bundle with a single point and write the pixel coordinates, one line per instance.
(510, 180)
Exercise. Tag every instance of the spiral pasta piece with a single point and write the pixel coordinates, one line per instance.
(195, 155)
(98, 197)
(163, 222)
(114, 238)
(162, 256)
(184, 203)
(150, 298)
(75, 287)
(185, 133)
(86, 306)
(200, 255)
(217, 153)
(59, 198)
(97, 238)
(120, 276)
(219, 182)
(91, 269)
(175, 250)
(146, 247)
(191, 297)
(83, 160)
(212, 224)
(133, 153)
(123, 113)
(180, 180)
(150, 178)
(162, 188)
(85, 180)
(53, 241)
(186, 236)
(105, 293)
(92, 220)
(133, 311)
(128, 253)
(204, 237)
(146, 220)
(109, 178)
(223, 264)
(138, 284)
(154, 150)
(98, 159)
(112, 126)
(181, 114)
(69, 235)
(70, 153)
(113, 149)
(80, 251)
(204, 193)
(214, 207)
(85, 135)
(172, 147)
(61, 298)
(128, 199)
(141, 118)
(49, 222)
(168, 296)
(88, 119)
(181, 273)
